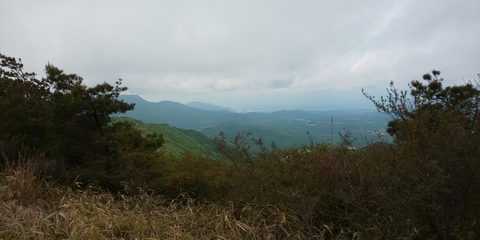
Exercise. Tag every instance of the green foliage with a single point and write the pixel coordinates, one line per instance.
(58, 114)
(283, 137)
(69, 121)
(80, 113)
(429, 98)
(125, 136)
(176, 141)
(436, 133)
(235, 151)
(25, 104)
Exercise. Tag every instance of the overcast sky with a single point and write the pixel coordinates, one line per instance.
(248, 54)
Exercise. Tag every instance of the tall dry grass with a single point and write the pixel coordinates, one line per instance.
(33, 208)
(384, 191)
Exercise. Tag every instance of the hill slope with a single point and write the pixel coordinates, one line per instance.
(286, 128)
(178, 115)
(177, 141)
(207, 106)
(283, 137)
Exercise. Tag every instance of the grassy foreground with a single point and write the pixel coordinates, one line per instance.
(32, 208)
(382, 192)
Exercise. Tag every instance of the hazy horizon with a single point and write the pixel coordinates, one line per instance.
(268, 107)
(248, 54)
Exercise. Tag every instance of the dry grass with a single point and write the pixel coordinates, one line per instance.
(288, 194)
(30, 208)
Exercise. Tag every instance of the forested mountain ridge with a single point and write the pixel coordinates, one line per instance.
(286, 127)
(207, 106)
(177, 114)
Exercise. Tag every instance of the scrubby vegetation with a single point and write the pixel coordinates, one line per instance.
(69, 172)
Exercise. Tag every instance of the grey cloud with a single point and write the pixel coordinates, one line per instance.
(188, 49)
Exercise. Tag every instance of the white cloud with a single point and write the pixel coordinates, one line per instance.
(373, 62)
(210, 49)
(385, 19)
(227, 85)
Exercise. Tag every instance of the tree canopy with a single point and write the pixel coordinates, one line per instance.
(62, 117)
(436, 130)
(429, 98)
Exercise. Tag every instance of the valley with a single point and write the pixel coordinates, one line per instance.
(284, 128)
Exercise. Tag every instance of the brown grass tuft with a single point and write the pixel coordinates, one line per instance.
(30, 208)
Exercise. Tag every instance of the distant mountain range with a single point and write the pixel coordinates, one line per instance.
(286, 128)
(177, 114)
(208, 106)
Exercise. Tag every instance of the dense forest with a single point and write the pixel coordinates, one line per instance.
(69, 169)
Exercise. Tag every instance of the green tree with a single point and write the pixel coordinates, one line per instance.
(25, 108)
(80, 114)
(130, 157)
(62, 117)
(59, 114)
(436, 132)
(429, 98)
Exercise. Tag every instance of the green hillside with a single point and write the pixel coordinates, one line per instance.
(177, 114)
(286, 128)
(177, 141)
(283, 137)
